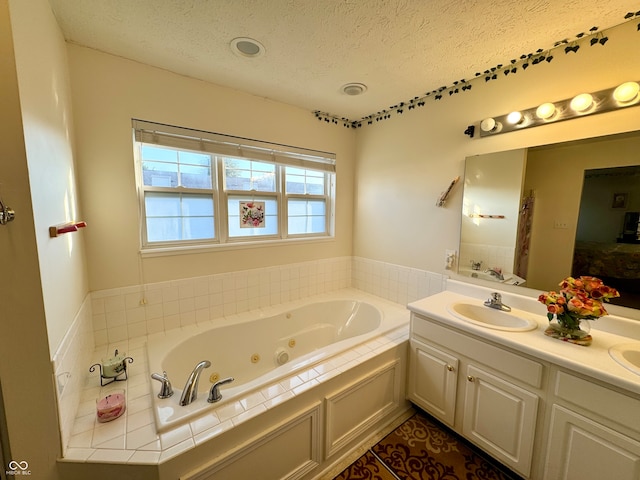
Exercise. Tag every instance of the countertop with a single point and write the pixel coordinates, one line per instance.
(593, 361)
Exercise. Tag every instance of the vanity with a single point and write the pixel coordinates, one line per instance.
(545, 408)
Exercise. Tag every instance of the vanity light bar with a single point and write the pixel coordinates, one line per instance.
(622, 96)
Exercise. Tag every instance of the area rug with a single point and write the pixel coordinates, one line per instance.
(421, 449)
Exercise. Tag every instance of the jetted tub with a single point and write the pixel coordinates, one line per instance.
(260, 351)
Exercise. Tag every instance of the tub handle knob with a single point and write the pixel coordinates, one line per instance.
(214, 393)
(165, 388)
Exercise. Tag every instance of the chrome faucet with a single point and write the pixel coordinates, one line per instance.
(495, 301)
(495, 272)
(190, 392)
(165, 388)
(214, 393)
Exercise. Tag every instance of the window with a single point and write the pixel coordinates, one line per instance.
(199, 188)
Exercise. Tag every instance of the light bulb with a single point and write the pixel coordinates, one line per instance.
(627, 92)
(514, 118)
(546, 111)
(488, 125)
(582, 102)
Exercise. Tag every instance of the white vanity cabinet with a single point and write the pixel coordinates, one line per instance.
(594, 432)
(484, 392)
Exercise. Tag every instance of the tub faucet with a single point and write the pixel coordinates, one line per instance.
(495, 272)
(165, 388)
(495, 301)
(214, 393)
(190, 392)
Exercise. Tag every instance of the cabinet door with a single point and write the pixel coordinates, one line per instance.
(500, 418)
(433, 380)
(581, 449)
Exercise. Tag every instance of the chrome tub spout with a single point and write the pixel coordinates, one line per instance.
(190, 392)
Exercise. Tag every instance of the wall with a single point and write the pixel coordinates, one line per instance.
(25, 368)
(108, 92)
(404, 163)
(558, 200)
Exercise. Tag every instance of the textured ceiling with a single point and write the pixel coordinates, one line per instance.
(398, 48)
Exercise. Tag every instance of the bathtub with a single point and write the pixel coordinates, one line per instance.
(260, 349)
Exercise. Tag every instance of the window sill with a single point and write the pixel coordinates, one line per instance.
(196, 249)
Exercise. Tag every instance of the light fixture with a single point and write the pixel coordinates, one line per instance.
(585, 104)
(546, 111)
(515, 118)
(581, 103)
(489, 125)
(627, 92)
(354, 89)
(247, 47)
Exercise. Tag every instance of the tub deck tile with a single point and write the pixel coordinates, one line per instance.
(226, 412)
(206, 422)
(272, 402)
(141, 437)
(213, 432)
(243, 417)
(176, 449)
(175, 436)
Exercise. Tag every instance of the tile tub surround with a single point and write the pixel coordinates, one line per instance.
(132, 439)
(131, 312)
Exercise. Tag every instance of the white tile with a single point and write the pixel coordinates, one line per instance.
(111, 456)
(176, 449)
(272, 391)
(139, 419)
(243, 417)
(175, 436)
(78, 454)
(142, 457)
(141, 437)
(206, 422)
(252, 400)
(226, 412)
(277, 400)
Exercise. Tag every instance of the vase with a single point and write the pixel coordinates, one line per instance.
(572, 333)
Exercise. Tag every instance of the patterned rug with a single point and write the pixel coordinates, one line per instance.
(421, 449)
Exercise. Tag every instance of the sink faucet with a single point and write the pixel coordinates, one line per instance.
(495, 301)
(495, 272)
(214, 393)
(190, 392)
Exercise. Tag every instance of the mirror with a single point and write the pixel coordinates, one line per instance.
(527, 213)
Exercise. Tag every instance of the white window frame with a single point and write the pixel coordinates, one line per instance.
(220, 147)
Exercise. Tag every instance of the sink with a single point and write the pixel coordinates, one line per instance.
(627, 355)
(513, 321)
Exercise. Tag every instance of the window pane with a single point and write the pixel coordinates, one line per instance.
(240, 226)
(165, 167)
(175, 216)
(157, 174)
(300, 181)
(306, 216)
(241, 174)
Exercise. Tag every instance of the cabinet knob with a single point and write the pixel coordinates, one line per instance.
(450, 368)
(470, 378)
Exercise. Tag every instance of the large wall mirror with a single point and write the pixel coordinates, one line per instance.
(534, 216)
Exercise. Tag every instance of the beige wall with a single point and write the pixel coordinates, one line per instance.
(551, 253)
(41, 61)
(25, 368)
(108, 92)
(404, 163)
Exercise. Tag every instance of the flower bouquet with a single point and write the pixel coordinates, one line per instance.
(579, 299)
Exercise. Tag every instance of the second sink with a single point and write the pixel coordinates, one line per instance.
(491, 317)
(627, 355)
